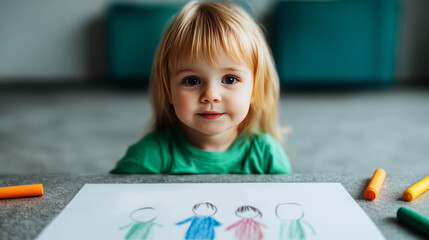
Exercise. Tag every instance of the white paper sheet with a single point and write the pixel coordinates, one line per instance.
(214, 211)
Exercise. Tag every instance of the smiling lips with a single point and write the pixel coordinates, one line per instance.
(210, 115)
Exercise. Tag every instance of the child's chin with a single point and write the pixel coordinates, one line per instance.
(214, 132)
(211, 133)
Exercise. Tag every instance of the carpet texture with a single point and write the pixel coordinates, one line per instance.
(87, 130)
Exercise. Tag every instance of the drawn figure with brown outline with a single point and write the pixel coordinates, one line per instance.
(247, 228)
(143, 223)
(292, 224)
(202, 224)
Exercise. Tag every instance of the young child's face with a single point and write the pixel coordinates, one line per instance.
(211, 99)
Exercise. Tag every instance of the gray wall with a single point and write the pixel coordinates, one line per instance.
(413, 49)
(58, 40)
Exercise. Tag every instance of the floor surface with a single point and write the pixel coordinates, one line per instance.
(86, 130)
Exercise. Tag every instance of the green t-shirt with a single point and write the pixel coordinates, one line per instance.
(167, 151)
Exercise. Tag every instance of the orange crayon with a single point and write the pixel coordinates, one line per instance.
(374, 185)
(21, 191)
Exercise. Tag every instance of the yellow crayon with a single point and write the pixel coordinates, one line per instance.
(374, 185)
(414, 191)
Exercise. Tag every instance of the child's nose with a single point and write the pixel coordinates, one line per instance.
(211, 95)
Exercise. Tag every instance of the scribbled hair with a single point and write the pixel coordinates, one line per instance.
(204, 29)
(248, 208)
(206, 204)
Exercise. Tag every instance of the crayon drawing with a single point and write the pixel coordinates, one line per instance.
(247, 228)
(143, 223)
(212, 211)
(293, 227)
(202, 224)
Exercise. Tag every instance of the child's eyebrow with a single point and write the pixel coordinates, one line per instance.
(183, 70)
(236, 69)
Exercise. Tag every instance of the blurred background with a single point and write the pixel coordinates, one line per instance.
(354, 78)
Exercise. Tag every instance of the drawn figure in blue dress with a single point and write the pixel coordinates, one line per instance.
(292, 225)
(142, 227)
(202, 224)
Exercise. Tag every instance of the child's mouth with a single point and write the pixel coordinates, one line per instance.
(210, 116)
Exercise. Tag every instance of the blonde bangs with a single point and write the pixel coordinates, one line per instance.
(204, 32)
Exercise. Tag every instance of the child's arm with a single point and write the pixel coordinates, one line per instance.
(216, 223)
(263, 225)
(184, 221)
(127, 226)
(233, 225)
(310, 227)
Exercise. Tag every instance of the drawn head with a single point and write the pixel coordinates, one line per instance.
(208, 31)
(146, 214)
(290, 211)
(248, 212)
(204, 209)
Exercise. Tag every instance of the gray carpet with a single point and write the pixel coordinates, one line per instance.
(87, 130)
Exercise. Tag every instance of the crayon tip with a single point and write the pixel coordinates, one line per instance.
(408, 196)
(370, 194)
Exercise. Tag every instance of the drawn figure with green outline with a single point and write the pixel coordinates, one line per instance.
(142, 227)
(292, 224)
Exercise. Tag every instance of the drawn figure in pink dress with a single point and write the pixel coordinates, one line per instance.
(247, 228)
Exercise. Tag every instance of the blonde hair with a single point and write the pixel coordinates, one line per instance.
(203, 29)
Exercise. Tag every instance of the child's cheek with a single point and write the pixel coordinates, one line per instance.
(184, 105)
(239, 107)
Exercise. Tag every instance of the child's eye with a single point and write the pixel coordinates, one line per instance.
(230, 80)
(191, 81)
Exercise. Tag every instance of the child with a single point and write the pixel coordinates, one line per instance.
(214, 91)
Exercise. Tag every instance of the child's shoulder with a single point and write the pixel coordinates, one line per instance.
(148, 155)
(159, 133)
(271, 153)
(262, 138)
(259, 141)
(155, 138)
(265, 142)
